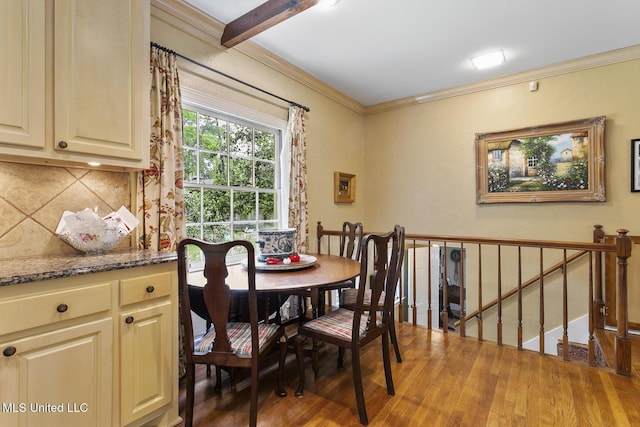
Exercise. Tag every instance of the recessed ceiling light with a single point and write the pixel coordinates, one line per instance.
(327, 3)
(94, 164)
(489, 60)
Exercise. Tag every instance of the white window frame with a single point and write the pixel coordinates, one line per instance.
(193, 99)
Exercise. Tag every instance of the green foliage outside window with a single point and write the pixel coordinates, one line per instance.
(230, 177)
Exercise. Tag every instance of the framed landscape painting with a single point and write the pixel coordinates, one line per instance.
(551, 163)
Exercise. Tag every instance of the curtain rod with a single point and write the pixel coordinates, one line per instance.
(295, 104)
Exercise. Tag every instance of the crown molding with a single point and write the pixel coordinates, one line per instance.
(588, 62)
(197, 24)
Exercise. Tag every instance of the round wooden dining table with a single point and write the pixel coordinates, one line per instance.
(308, 281)
(327, 270)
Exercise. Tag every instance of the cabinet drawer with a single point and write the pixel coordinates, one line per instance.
(145, 288)
(35, 310)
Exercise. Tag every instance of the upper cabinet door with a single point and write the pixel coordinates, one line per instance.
(22, 73)
(101, 79)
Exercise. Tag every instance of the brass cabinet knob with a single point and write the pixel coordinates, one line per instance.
(61, 308)
(9, 351)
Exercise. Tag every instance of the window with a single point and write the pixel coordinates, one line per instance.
(532, 162)
(497, 155)
(231, 175)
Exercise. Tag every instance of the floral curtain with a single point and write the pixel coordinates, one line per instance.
(296, 140)
(160, 199)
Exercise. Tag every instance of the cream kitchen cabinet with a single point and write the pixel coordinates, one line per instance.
(22, 74)
(98, 349)
(145, 345)
(79, 89)
(56, 364)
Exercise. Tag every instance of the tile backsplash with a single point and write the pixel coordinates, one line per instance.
(33, 198)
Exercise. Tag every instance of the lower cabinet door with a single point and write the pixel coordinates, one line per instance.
(59, 378)
(145, 361)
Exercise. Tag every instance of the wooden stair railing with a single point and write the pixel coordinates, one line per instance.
(557, 267)
(594, 251)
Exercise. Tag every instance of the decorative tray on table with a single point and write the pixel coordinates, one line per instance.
(305, 262)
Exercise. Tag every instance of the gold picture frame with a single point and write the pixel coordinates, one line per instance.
(344, 187)
(551, 163)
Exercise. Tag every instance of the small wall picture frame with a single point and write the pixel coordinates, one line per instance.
(635, 165)
(344, 187)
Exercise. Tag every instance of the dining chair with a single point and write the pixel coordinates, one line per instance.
(350, 240)
(348, 296)
(353, 329)
(225, 343)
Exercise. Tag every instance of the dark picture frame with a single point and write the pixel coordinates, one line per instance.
(635, 165)
(561, 162)
(344, 187)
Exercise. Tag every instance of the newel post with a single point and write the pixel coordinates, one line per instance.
(622, 341)
(319, 234)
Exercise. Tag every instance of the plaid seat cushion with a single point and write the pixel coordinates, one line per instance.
(240, 336)
(337, 323)
(348, 297)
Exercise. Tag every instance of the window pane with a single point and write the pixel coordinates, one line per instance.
(240, 140)
(192, 203)
(217, 204)
(238, 251)
(213, 169)
(189, 128)
(194, 231)
(265, 175)
(190, 165)
(244, 232)
(212, 133)
(265, 145)
(194, 254)
(266, 206)
(241, 171)
(268, 225)
(244, 206)
(217, 233)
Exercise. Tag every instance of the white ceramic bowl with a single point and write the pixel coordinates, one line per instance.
(276, 243)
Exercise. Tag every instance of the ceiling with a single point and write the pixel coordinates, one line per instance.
(376, 51)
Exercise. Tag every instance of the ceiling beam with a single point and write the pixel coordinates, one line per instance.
(261, 18)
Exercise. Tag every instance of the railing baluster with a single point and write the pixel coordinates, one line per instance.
(499, 326)
(541, 292)
(463, 285)
(565, 312)
(591, 343)
(414, 287)
(479, 315)
(519, 297)
(445, 291)
(429, 287)
(598, 301)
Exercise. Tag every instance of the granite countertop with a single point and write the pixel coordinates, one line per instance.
(31, 269)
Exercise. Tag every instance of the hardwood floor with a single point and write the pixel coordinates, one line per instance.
(444, 380)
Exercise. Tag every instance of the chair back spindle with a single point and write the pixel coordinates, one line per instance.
(351, 239)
